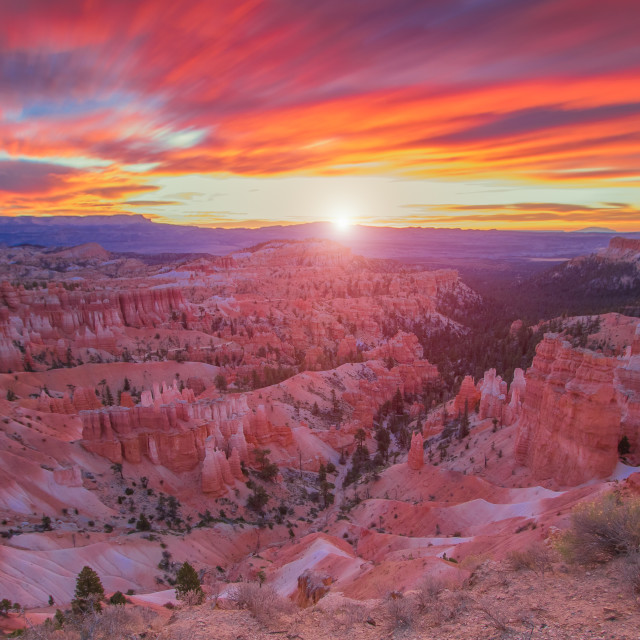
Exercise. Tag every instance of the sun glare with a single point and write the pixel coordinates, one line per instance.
(342, 220)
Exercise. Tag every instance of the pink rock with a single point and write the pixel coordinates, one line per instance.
(416, 452)
(70, 477)
(571, 418)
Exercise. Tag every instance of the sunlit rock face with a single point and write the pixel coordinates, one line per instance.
(58, 321)
(627, 249)
(467, 398)
(176, 434)
(577, 407)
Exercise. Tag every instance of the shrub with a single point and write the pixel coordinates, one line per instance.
(602, 529)
(631, 573)
(624, 446)
(258, 498)
(401, 610)
(428, 592)
(188, 585)
(263, 602)
(117, 598)
(537, 558)
(5, 605)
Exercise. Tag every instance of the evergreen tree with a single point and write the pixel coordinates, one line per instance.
(221, 382)
(5, 605)
(187, 581)
(398, 402)
(624, 446)
(384, 440)
(143, 523)
(89, 591)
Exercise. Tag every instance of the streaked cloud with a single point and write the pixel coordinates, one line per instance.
(104, 102)
(527, 214)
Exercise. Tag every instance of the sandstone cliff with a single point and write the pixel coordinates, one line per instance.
(578, 405)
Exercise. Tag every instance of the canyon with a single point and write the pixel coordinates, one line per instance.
(276, 411)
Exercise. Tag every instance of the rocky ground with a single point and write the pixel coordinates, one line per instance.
(563, 604)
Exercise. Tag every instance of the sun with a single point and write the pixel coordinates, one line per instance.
(342, 220)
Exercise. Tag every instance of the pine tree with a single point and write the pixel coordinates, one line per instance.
(398, 402)
(143, 523)
(221, 382)
(89, 591)
(463, 430)
(187, 582)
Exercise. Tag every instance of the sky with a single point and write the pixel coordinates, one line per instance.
(247, 113)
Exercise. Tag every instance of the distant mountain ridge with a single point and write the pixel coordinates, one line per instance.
(595, 230)
(135, 233)
(600, 282)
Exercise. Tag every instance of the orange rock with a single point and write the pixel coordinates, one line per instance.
(468, 396)
(126, 400)
(312, 586)
(416, 452)
(571, 418)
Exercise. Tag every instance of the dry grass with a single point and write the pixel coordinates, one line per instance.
(401, 610)
(113, 622)
(212, 590)
(344, 614)
(602, 529)
(537, 558)
(428, 593)
(630, 569)
(494, 615)
(263, 602)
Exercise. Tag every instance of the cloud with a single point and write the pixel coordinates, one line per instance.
(541, 93)
(151, 203)
(532, 214)
(17, 176)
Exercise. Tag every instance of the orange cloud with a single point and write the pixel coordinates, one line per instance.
(533, 215)
(114, 95)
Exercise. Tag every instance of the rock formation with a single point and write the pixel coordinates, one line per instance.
(577, 406)
(216, 470)
(60, 319)
(69, 477)
(312, 587)
(493, 394)
(468, 396)
(627, 249)
(416, 452)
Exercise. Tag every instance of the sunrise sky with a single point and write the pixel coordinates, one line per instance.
(475, 113)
